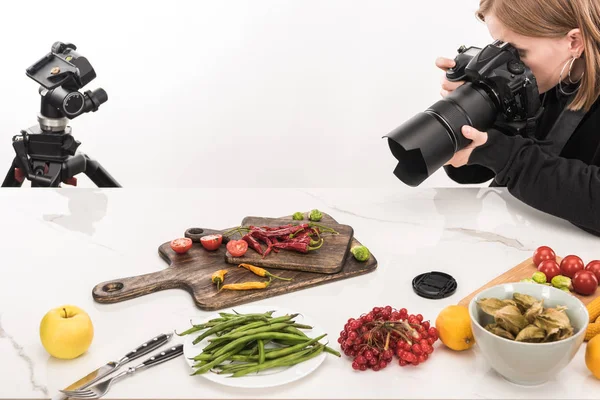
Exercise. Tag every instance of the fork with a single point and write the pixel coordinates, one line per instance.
(100, 389)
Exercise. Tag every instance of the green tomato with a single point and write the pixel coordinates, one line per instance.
(561, 282)
(539, 277)
(315, 215)
(298, 216)
(361, 253)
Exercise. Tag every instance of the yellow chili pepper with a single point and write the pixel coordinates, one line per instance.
(262, 272)
(247, 285)
(218, 277)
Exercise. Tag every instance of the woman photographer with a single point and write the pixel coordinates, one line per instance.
(559, 40)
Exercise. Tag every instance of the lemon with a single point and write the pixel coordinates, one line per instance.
(592, 356)
(454, 328)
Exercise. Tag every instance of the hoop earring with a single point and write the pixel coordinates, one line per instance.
(560, 87)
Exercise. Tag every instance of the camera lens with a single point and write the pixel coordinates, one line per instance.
(425, 142)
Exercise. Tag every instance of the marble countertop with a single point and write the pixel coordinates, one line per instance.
(59, 243)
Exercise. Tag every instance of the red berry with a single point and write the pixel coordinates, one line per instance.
(415, 363)
(420, 329)
(406, 346)
(388, 308)
(399, 352)
(369, 318)
(344, 334)
(352, 335)
(403, 311)
(386, 315)
(363, 329)
(395, 316)
(433, 331)
(372, 361)
(417, 337)
(422, 358)
(403, 363)
(368, 354)
(388, 354)
(363, 367)
(426, 324)
(361, 360)
(431, 341)
(355, 365)
(382, 364)
(376, 368)
(424, 341)
(419, 317)
(376, 310)
(416, 348)
(375, 352)
(340, 339)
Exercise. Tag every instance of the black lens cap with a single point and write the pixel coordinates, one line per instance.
(434, 285)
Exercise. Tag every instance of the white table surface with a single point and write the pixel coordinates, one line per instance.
(59, 243)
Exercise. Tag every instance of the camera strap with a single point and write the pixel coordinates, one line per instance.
(562, 130)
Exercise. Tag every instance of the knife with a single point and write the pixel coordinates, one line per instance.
(111, 366)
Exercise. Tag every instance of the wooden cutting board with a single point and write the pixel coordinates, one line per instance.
(329, 259)
(192, 271)
(522, 271)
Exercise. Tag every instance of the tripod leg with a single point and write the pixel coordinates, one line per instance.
(10, 180)
(98, 174)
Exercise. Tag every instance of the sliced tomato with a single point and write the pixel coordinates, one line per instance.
(211, 242)
(181, 245)
(237, 248)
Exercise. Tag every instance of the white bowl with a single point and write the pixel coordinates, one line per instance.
(528, 363)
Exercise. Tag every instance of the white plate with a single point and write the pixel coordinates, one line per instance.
(262, 379)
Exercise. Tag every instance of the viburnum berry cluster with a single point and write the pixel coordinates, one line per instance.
(375, 338)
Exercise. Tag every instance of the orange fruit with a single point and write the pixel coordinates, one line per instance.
(454, 328)
(592, 356)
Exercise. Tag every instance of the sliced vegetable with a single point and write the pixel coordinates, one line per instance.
(237, 248)
(181, 245)
(211, 242)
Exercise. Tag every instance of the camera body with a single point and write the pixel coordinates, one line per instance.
(499, 91)
(499, 70)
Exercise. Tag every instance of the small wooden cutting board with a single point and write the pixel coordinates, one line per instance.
(522, 271)
(328, 259)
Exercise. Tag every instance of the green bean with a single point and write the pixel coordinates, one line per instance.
(332, 351)
(261, 323)
(237, 335)
(198, 327)
(227, 324)
(290, 360)
(296, 331)
(301, 326)
(256, 336)
(261, 351)
(205, 368)
(231, 368)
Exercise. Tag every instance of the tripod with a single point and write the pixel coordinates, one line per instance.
(46, 154)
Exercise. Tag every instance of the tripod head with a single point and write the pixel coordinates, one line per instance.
(61, 74)
(46, 154)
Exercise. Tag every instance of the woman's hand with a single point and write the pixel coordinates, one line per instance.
(444, 64)
(462, 156)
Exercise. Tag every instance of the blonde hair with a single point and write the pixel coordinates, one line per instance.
(554, 19)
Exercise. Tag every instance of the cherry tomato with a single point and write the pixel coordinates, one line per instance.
(237, 248)
(211, 242)
(543, 253)
(585, 283)
(550, 268)
(181, 245)
(594, 266)
(570, 265)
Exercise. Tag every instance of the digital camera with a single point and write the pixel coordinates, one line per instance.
(499, 91)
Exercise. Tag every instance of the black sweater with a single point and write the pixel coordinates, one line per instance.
(565, 185)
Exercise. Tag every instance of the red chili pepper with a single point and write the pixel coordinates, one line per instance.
(285, 231)
(253, 243)
(303, 246)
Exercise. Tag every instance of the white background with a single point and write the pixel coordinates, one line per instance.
(256, 93)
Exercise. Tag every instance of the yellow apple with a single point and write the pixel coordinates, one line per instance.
(66, 332)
